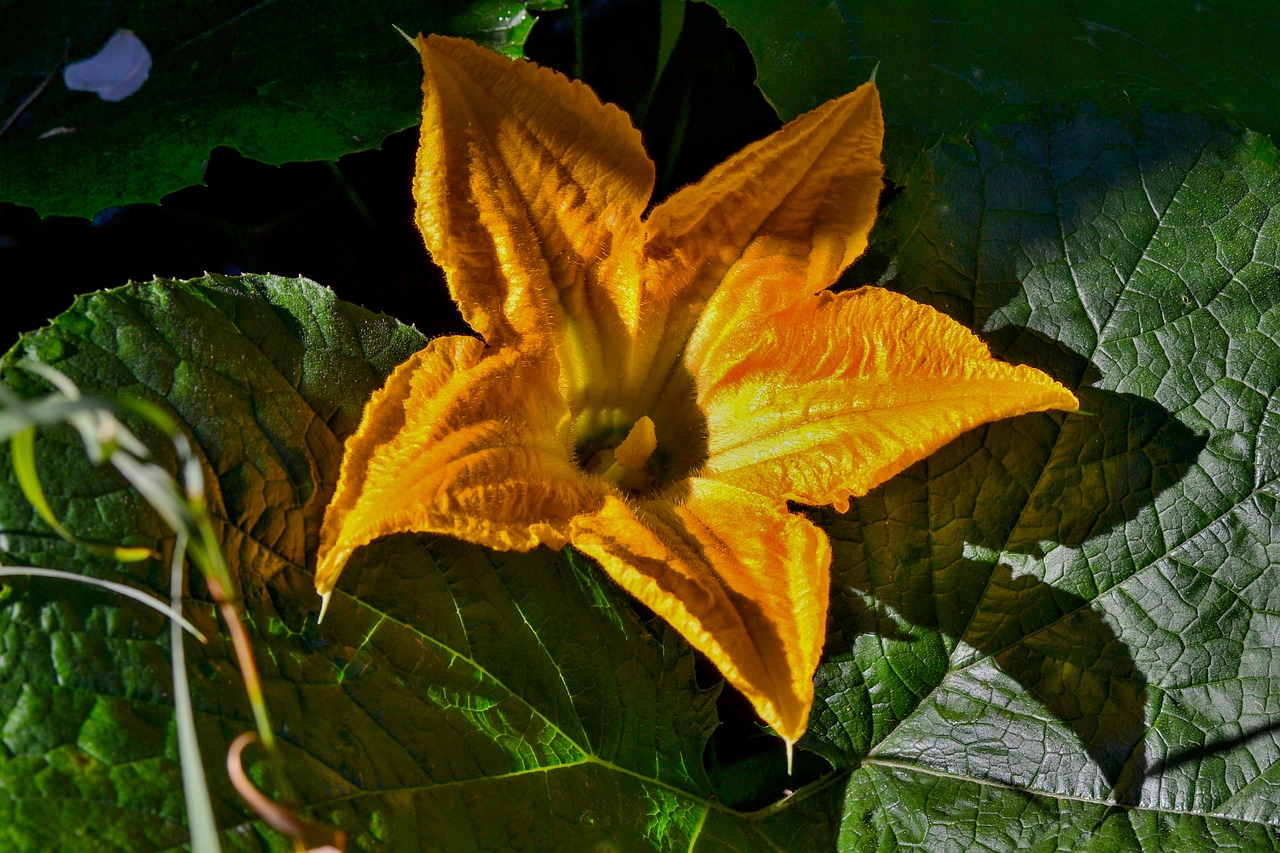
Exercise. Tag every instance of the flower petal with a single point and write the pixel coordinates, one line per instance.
(530, 193)
(742, 580)
(842, 392)
(460, 442)
(773, 224)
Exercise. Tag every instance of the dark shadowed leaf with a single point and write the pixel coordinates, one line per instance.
(947, 66)
(279, 82)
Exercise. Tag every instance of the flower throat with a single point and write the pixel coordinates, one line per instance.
(630, 464)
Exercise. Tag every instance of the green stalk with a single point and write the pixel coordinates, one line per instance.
(200, 822)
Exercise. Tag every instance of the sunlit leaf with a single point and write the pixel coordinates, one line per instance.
(1051, 616)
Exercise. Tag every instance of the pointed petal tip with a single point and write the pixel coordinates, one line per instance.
(1056, 396)
(328, 568)
(413, 42)
(332, 560)
(868, 90)
(791, 731)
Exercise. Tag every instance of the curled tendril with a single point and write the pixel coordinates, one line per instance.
(315, 838)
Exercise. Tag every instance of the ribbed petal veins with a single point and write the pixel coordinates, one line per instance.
(841, 392)
(530, 193)
(463, 443)
(773, 224)
(742, 580)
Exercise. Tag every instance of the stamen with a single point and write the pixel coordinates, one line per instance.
(638, 446)
(626, 464)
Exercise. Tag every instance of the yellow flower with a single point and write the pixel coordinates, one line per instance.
(655, 388)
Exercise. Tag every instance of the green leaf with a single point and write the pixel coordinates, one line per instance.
(1058, 615)
(501, 25)
(897, 808)
(482, 700)
(946, 66)
(85, 674)
(279, 82)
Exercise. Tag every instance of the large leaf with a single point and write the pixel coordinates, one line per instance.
(478, 700)
(950, 65)
(1056, 615)
(280, 82)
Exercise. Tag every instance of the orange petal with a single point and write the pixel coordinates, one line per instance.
(530, 193)
(842, 392)
(773, 224)
(742, 580)
(459, 442)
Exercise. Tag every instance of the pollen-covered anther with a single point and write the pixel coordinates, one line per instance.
(638, 446)
(626, 465)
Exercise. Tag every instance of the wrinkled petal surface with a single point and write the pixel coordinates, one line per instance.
(841, 392)
(529, 194)
(461, 442)
(743, 580)
(772, 225)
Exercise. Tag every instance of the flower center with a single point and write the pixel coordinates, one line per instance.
(642, 456)
(625, 463)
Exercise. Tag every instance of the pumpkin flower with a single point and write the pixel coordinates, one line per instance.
(654, 388)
